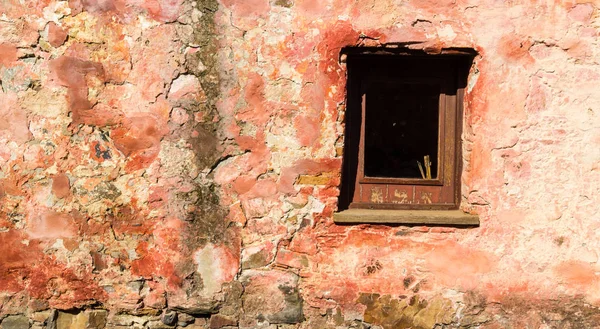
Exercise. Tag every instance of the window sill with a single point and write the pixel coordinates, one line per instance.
(407, 217)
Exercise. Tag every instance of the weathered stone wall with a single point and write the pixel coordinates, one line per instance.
(176, 163)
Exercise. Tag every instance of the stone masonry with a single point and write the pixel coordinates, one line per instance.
(176, 163)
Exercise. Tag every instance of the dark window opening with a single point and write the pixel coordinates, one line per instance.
(403, 129)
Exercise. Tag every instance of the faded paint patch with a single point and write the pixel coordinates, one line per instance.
(216, 265)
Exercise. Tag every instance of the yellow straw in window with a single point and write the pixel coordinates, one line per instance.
(427, 163)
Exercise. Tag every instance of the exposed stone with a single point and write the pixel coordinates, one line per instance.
(232, 305)
(293, 312)
(96, 319)
(126, 320)
(51, 321)
(83, 320)
(198, 306)
(392, 313)
(169, 318)
(156, 299)
(284, 3)
(313, 180)
(220, 321)
(15, 322)
(184, 320)
(38, 305)
(284, 304)
(158, 325)
(41, 316)
(258, 256)
(292, 259)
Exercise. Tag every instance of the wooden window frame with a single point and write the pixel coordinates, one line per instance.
(444, 190)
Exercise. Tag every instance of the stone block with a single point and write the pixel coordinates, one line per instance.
(91, 319)
(258, 256)
(156, 299)
(184, 320)
(158, 325)
(286, 258)
(96, 319)
(314, 179)
(220, 321)
(271, 297)
(169, 318)
(41, 316)
(126, 320)
(15, 322)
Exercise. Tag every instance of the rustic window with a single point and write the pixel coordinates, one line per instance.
(403, 129)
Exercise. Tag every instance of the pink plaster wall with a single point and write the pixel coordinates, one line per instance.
(178, 156)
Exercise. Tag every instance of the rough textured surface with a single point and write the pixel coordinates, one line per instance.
(176, 163)
(406, 217)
